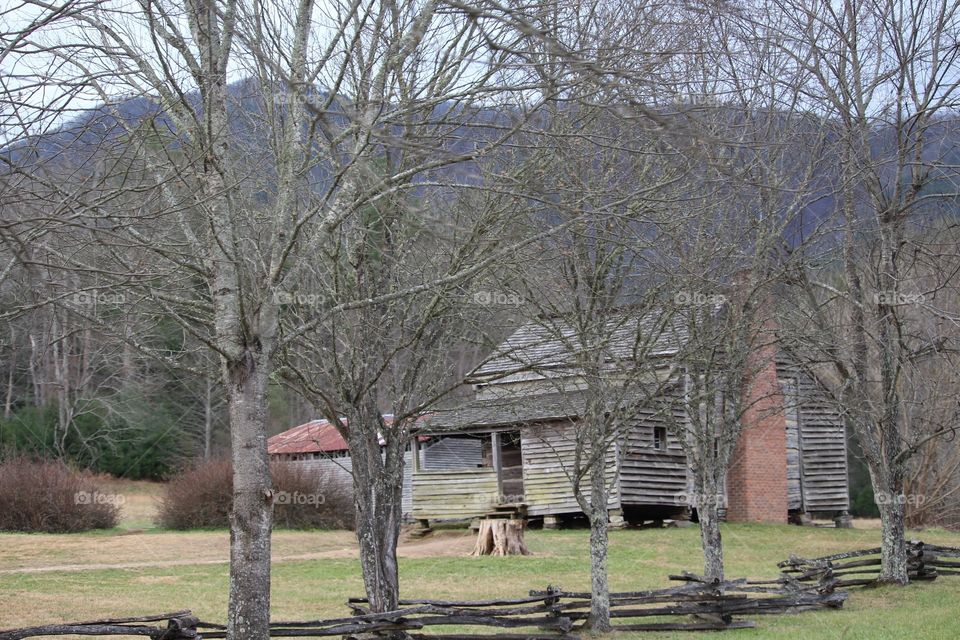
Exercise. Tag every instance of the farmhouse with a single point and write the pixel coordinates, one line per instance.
(790, 460)
(512, 445)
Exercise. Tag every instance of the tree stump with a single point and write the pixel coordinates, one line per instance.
(500, 537)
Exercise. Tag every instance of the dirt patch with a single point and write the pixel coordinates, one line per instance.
(438, 544)
(156, 579)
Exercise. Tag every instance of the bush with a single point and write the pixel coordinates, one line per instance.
(309, 499)
(48, 496)
(200, 497)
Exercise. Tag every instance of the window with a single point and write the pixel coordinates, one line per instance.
(660, 438)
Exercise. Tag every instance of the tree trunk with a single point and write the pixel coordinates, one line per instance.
(11, 375)
(893, 542)
(378, 530)
(599, 620)
(34, 375)
(251, 516)
(208, 418)
(708, 513)
(708, 499)
(378, 491)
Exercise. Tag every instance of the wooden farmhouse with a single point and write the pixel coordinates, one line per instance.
(790, 462)
(511, 446)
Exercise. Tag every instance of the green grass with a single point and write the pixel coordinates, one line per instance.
(638, 559)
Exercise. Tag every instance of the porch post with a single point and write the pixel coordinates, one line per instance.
(415, 450)
(497, 463)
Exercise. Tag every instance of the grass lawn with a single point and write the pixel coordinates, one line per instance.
(137, 570)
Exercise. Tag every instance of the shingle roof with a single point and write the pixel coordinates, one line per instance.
(506, 411)
(547, 343)
(487, 413)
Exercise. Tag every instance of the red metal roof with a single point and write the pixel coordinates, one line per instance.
(318, 436)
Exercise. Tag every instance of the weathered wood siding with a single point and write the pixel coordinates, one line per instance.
(342, 469)
(651, 477)
(816, 445)
(453, 494)
(788, 386)
(337, 469)
(407, 496)
(823, 451)
(548, 461)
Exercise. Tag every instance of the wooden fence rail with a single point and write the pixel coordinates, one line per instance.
(862, 567)
(181, 625)
(803, 585)
(551, 614)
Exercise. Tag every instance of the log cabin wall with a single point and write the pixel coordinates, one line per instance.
(451, 483)
(454, 494)
(336, 468)
(823, 452)
(548, 463)
(652, 475)
(340, 468)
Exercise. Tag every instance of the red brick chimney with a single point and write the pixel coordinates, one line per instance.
(757, 480)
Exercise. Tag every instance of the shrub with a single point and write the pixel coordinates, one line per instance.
(200, 497)
(309, 499)
(48, 496)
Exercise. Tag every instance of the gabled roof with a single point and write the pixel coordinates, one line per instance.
(316, 436)
(547, 343)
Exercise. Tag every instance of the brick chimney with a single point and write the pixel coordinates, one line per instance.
(757, 479)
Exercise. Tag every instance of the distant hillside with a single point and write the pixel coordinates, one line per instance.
(105, 128)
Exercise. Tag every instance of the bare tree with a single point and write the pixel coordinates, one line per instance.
(423, 101)
(597, 300)
(882, 76)
(751, 155)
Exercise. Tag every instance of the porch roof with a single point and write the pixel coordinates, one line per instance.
(496, 414)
